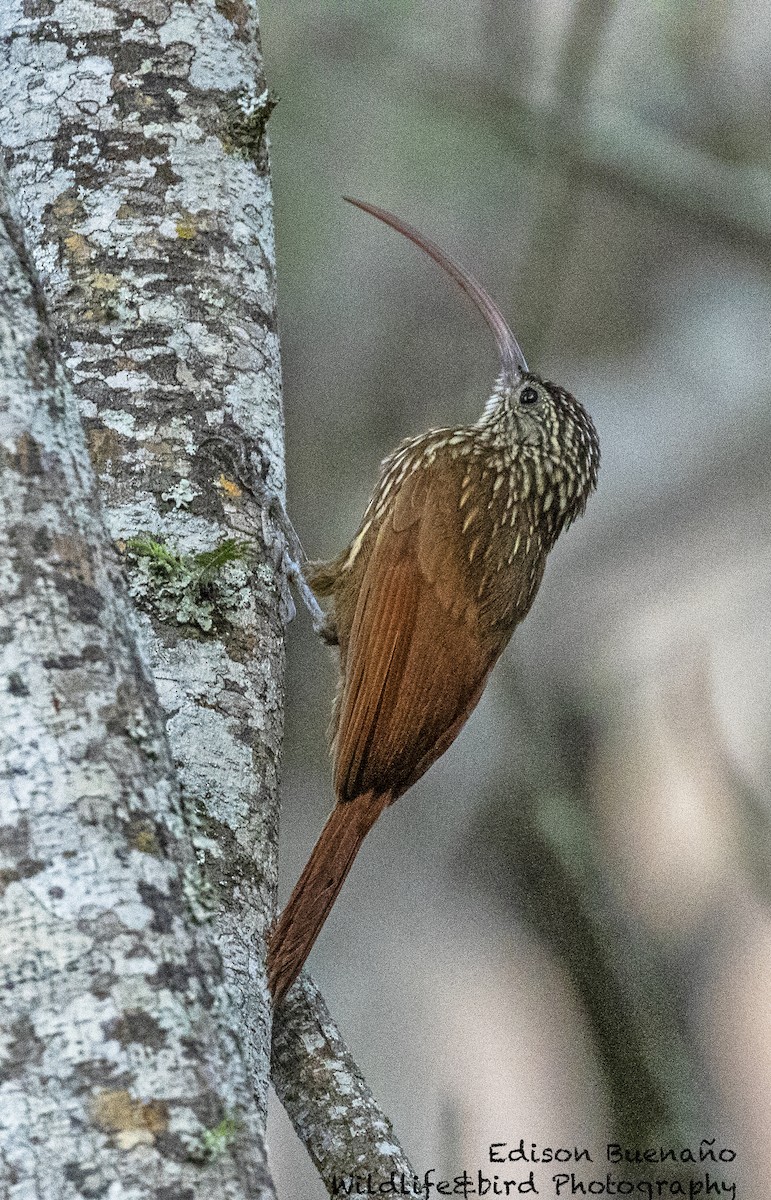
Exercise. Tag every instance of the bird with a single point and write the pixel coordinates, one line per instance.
(445, 564)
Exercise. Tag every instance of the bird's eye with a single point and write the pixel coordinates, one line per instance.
(529, 395)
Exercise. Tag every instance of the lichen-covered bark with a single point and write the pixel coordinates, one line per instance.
(330, 1105)
(134, 135)
(118, 1071)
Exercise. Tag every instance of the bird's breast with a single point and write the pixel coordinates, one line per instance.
(503, 541)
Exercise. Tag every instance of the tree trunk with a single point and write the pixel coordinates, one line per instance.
(117, 1070)
(134, 133)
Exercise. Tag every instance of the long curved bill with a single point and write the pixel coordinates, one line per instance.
(513, 362)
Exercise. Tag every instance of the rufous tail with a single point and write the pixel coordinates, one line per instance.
(317, 888)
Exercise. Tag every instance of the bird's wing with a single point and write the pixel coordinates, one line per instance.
(416, 663)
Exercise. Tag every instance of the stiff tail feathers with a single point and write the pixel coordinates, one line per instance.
(318, 887)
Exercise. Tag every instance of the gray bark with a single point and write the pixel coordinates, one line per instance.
(117, 1071)
(328, 1101)
(134, 133)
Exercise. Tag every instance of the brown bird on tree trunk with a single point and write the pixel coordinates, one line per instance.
(445, 564)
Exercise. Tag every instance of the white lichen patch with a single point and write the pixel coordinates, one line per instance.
(181, 495)
(201, 898)
(216, 764)
(252, 100)
(85, 81)
(89, 18)
(97, 226)
(205, 847)
(198, 189)
(36, 55)
(210, 297)
(204, 340)
(115, 418)
(179, 431)
(63, 1031)
(36, 954)
(313, 1042)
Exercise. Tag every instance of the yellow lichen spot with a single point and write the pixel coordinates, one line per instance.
(186, 228)
(130, 1138)
(103, 281)
(147, 842)
(78, 247)
(131, 1122)
(231, 489)
(64, 206)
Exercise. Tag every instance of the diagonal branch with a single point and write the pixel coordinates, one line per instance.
(326, 1097)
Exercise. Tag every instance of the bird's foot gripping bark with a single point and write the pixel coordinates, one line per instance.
(322, 624)
(279, 534)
